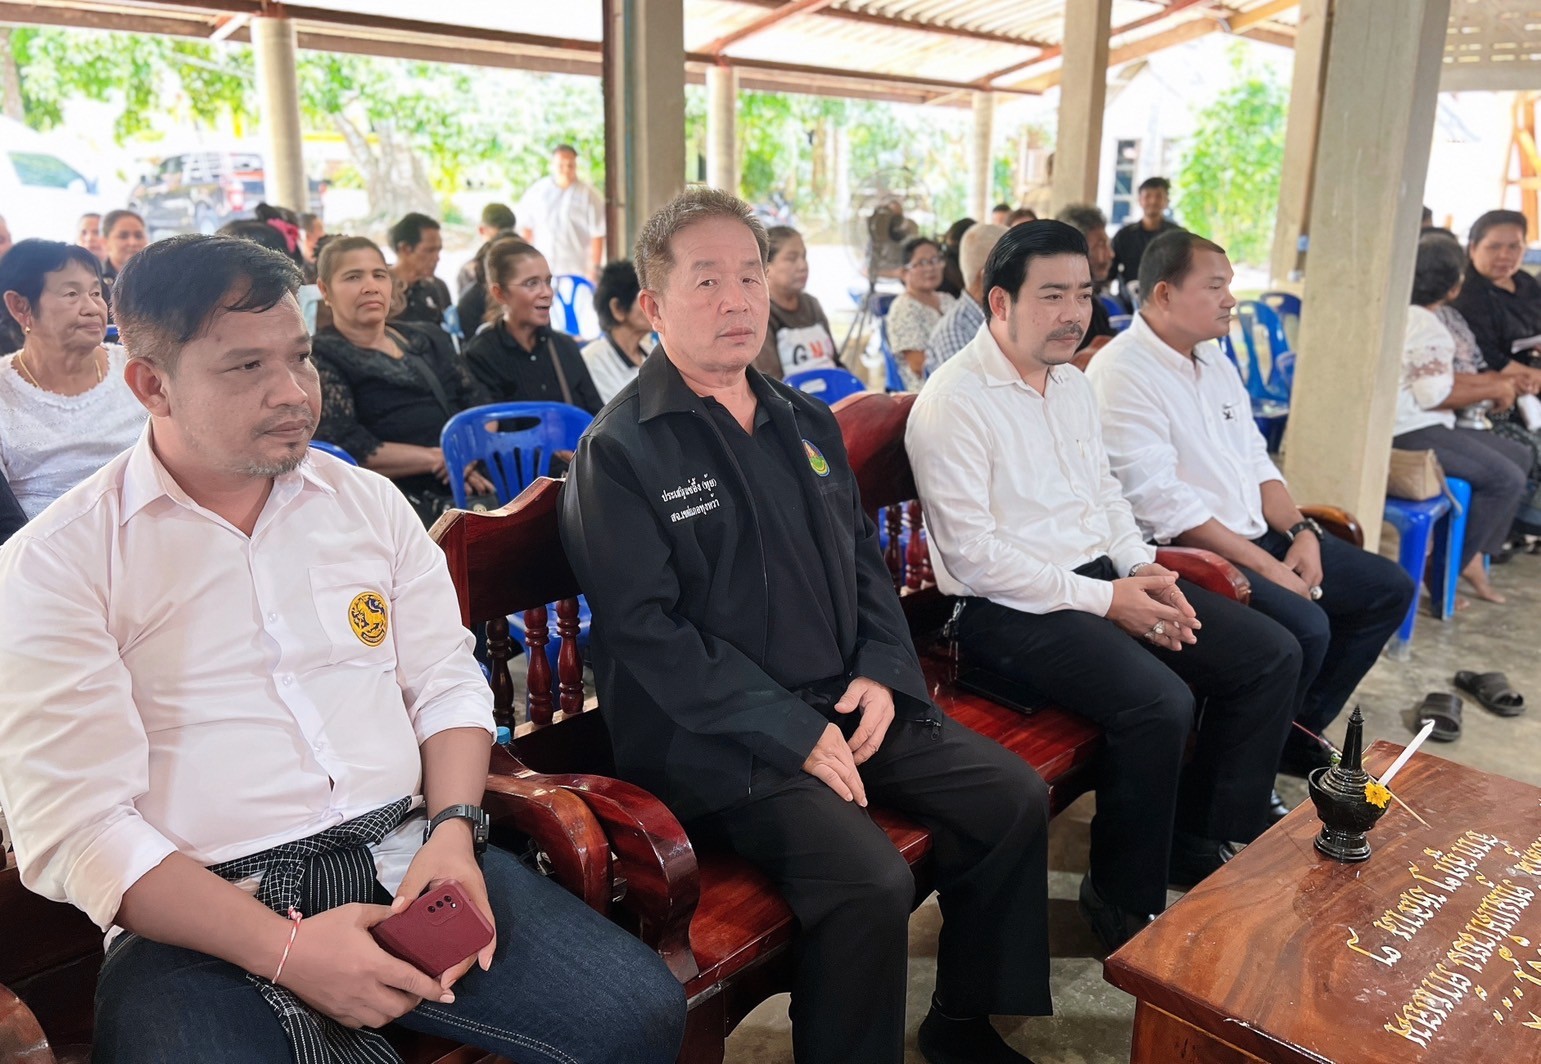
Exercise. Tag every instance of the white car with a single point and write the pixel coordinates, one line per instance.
(41, 194)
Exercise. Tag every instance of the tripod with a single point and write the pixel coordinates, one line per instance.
(865, 313)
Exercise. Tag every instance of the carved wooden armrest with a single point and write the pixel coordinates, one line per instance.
(653, 853)
(562, 827)
(1208, 570)
(1338, 521)
(21, 1038)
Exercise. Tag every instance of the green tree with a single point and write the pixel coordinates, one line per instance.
(1228, 186)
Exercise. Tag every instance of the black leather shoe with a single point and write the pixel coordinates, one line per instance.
(1277, 810)
(1302, 755)
(1195, 858)
(944, 1040)
(1111, 924)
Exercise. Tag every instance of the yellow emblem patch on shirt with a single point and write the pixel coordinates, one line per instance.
(369, 618)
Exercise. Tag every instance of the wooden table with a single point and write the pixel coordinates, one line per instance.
(1430, 951)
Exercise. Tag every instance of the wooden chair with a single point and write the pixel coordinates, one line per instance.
(51, 952)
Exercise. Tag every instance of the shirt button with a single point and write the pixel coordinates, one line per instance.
(272, 617)
(288, 679)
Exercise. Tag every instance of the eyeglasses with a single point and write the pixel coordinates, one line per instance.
(923, 263)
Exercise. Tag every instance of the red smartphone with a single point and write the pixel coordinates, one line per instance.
(436, 932)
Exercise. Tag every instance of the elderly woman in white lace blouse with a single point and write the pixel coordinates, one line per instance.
(64, 407)
(1432, 391)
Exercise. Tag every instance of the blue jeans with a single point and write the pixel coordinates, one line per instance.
(566, 987)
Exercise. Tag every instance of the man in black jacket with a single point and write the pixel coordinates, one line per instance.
(756, 672)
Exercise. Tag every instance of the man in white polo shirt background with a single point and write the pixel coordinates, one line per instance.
(565, 218)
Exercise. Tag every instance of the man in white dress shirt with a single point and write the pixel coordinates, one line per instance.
(565, 218)
(240, 723)
(1062, 595)
(1182, 442)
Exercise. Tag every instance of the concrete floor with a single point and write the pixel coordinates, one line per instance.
(1092, 1020)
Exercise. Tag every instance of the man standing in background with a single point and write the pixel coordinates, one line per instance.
(565, 218)
(1130, 242)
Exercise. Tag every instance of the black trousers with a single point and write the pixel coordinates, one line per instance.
(1244, 667)
(1364, 598)
(987, 812)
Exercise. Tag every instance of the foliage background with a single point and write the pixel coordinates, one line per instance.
(1228, 186)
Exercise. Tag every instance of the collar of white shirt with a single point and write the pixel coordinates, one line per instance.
(145, 480)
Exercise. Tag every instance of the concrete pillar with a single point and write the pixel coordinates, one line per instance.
(1377, 124)
(274, 44)
(644, 62)
(722, 128)
(1083, 91)
(1300, 140)
(981, 159)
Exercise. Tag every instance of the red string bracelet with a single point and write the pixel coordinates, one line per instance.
(296, 916)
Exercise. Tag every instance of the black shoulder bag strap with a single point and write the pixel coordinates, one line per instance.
(556, 364)
(424, 372)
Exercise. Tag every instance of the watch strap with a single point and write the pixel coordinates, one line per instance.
(474, 813)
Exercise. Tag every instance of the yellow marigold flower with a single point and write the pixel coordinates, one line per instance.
(1376, 795)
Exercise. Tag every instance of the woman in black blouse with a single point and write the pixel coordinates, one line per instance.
(521, 358)
(387, 390)
(1500, 301)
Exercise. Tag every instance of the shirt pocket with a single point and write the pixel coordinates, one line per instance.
(355, 610)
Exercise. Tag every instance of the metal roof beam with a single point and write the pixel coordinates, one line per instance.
(765, 22)
(917, 25)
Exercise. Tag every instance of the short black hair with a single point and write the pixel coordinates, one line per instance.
(1155, 182)
(1492, 220)
(24, 269)
(1001, 207)
(1428, 214)
(617, 281)
(111, 219)
(258, 233)
(1438, 269)
(568, 148)
(498, 216)
(955, 231)
(1007, 266)
(914, 244)
(1169, 258)
(409, 230)
(170, 292)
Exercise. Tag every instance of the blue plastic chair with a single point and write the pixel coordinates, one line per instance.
(512, 459)
(575, 295)
(1276, 381)
(1112, 306)
(451, 323)
(830, 385)
(333, 450)
(1450, 541)
(1284, 304)
(894, 382)
(1416, 523)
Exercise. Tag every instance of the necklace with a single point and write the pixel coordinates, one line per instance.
(21, 364)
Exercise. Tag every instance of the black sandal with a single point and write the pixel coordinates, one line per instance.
(1493, 691)
(1443, 709)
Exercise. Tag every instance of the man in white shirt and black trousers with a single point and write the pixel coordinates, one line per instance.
(1182, 442)
(756, 672)
(240, 723)
(1062, 595)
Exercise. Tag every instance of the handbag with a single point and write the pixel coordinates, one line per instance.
(1417, 476)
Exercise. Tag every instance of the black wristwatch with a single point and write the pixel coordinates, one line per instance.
(1306, 525)
(474, 813)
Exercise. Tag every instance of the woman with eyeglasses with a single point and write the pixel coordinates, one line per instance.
(916, 312)
(520, 358)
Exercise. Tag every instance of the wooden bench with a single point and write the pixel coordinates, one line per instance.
(50, 953)
(715, 919)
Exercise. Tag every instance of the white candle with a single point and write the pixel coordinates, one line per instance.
(1412, 748)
